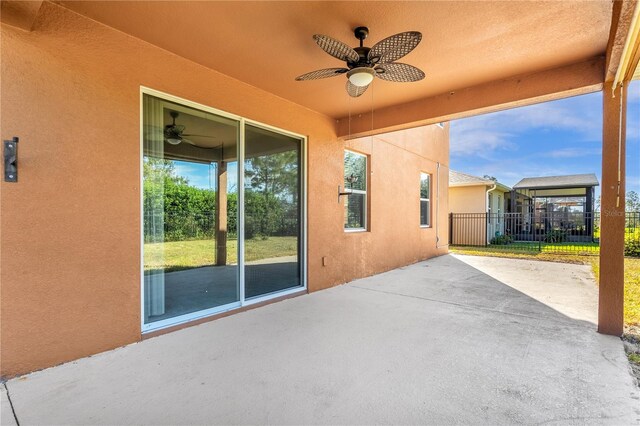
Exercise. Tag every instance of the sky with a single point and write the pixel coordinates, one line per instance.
(203, 175)
(548, 139)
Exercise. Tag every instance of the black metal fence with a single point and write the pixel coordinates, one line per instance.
(540, 231)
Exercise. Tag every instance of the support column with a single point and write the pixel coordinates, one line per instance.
(221, 214)
(612, 206)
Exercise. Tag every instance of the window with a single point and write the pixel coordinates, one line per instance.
(355, 182)
(425, 199)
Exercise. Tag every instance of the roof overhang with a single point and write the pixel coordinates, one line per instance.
(478, 56)
(499, 186)
(533, 188)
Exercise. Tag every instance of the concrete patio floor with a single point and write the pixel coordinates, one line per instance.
(450, 340)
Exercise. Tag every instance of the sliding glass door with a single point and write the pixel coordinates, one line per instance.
(272, 225)
(216, 235)
(190, 208)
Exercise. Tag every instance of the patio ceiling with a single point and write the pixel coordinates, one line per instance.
(465, 44)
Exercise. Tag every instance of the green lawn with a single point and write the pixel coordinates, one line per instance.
(577, 248)
(631, 272)
(177, 255)
(631, 289)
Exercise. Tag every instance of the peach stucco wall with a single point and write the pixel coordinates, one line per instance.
(468, 199)
(70, 277)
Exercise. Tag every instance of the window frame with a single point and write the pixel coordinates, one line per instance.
(365, 193)
(428, 200)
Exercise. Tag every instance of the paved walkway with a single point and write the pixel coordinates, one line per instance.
(451, 340)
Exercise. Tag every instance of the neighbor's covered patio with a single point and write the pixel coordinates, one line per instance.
(454, 339)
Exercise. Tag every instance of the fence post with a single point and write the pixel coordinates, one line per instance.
(486, 229)
(536, 233)
(451, 228)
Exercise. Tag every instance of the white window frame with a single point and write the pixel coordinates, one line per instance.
(428, 200)
(364, 192)
(242, 122)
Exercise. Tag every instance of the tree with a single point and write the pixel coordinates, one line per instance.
(173, 209)
(633, 202)
(493, 178)
(271, 194)
(274, 174)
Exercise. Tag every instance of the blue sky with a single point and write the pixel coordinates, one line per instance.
(547, 139)
(203, 175)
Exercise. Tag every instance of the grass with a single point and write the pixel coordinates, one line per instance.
(548, 256)
(631, 272)
(631, 289)
(578, 248)
(178, 255)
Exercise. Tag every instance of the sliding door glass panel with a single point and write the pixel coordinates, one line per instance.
(190, 192)
(272, 214)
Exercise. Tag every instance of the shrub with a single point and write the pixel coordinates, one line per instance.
(555, 236)
(501, 240)
(632, 244)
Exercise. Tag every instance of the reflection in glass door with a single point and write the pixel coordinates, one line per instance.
(272, 212)
(189, 210)
(222, 212)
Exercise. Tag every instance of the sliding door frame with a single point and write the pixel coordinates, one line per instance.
(302, 257)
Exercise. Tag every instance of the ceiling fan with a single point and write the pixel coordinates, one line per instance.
(364, 63)
(174, 133)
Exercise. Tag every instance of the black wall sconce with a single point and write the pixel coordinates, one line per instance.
(11, 160)
(347, 191)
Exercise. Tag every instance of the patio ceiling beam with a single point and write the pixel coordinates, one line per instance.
(575, 79)
(622, 49)
(19, 14)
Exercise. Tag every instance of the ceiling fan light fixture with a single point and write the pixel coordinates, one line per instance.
(361, 76)
(174, 141)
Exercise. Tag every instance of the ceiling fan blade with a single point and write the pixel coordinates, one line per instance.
(336, 48)
(199, 136)
(198, 146)
(398, 72)
(395, 47)
(324, 73)
(355, 91)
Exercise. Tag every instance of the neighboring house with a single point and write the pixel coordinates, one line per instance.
(564, 203)
(470, 198)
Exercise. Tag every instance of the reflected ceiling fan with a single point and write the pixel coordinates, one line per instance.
(364, 63)
(174, 133)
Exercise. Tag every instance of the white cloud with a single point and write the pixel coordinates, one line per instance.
(474, 141)
(484, 134)
(572, 152)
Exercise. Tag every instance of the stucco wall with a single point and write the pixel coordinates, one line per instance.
(70, 277)
(468, 199)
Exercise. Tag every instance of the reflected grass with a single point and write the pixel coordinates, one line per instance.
(179, 255)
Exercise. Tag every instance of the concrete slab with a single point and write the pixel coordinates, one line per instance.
(442, 341)
(6, 414)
